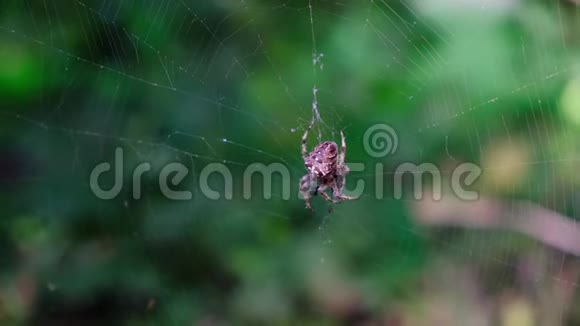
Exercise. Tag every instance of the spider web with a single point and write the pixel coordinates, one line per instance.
(205, 83)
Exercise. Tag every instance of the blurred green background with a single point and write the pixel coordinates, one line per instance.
(198, 82)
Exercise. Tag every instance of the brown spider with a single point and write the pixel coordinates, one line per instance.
(326, 169)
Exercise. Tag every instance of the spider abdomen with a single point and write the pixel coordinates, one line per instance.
(322, 160)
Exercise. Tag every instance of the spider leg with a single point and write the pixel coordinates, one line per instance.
(322, 192)
(305, 184)
(343, 197)
(316, 190)
(342, 154)
(304, 139)
(338, 188)
(328, 198)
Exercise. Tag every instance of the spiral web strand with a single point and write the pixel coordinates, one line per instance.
(239, 47)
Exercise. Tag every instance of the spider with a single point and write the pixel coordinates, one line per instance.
(326, 169)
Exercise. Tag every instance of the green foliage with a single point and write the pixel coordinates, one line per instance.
(218, 81)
